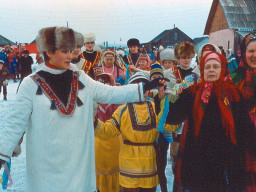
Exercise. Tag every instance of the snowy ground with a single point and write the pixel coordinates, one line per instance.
(19, 163)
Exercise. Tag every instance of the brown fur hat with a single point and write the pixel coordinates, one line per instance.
(184, 49)
(55, 38)
(79, 39)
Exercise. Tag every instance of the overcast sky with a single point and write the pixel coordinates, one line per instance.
(110, 20)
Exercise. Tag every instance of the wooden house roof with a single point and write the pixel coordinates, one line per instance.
(5, 41)
(240, 14)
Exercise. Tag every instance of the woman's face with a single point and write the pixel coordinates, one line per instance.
(251, 54)
(212, 70)
(76, 53)
(109, 60)
(89, 46)
(185, 61)
(60, 59)
(143, 64)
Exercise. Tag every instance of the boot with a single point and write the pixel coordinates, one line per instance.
(5, 97)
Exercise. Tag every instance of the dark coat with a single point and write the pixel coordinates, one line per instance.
(212, 162)
(4, 74)
(25, 66)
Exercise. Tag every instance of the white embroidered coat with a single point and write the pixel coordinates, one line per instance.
(59, 149)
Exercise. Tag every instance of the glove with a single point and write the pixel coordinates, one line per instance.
(5, 82)
(153, 84)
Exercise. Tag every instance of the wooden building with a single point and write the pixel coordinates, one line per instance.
(229, 21)
(4, 41)
(168, 38)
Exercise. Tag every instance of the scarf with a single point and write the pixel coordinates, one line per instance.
(225, 93)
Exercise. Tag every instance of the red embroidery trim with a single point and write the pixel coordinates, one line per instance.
(64, 110)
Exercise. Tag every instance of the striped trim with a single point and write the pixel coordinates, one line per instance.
(114, 121)
(6, 156)
(139, 175)
(145, 126)
(121, 113)
(139, 92)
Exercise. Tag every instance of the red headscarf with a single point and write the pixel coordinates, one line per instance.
(225, 92)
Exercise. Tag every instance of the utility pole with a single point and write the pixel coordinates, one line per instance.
(67, 23)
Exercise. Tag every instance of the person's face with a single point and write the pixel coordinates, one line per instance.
(134, 49)
(89, 46)
(155, 53)
(60, 59)
(143, 64)
(185, 61)
(212, 70)
(156, 76)
(1, 66)
(109, 60)
(76, 53)
(25, 55)
(168, 64)
(250, 54)
(228, 54)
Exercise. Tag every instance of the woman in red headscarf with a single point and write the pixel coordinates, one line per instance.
(217, 133)
(245, 78)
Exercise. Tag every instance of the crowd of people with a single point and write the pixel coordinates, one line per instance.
(104, 120)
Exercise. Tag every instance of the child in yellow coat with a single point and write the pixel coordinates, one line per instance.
(137, 123)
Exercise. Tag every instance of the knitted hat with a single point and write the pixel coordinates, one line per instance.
(133, 42)
(139, 76)
(167, 54)
(89, 37)
(53, 38)
(156, 68)
(184, 49)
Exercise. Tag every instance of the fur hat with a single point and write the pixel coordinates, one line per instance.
(89, 37)
(139, 75)
(133, 42)
(1, 62)
(120, 52)
(79, 39)
(167, 54)
(156, 68)
(53, 38)
(184, 49)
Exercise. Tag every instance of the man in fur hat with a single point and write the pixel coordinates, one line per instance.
(133, 57)
(91, 57)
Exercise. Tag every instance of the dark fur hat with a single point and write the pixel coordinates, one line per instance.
(54, 38)
(133, 42)
(184, 49)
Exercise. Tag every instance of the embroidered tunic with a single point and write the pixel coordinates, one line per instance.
(59, 147)
(138, 125)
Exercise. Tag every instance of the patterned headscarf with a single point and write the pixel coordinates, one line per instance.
(225, 92)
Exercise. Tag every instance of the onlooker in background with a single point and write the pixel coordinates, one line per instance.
(232, 65)
(222, 51)
(133, 57)
(25, 63)
(155, 57)
(4, 75)
(14, 65)
(91, 57)
(76, 54)
(167, 58)
(10, 56)
(3, 55)
(238, 56)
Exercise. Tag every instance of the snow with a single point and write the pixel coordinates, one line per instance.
(19, 163)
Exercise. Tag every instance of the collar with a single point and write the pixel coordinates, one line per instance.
(185, 68)
(89, 51)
